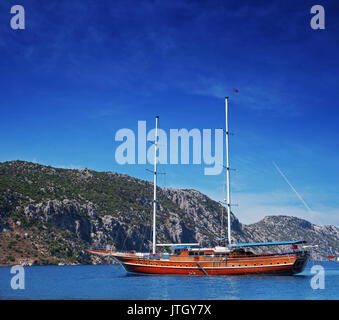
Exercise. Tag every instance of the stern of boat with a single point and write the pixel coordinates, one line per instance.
(300, 262)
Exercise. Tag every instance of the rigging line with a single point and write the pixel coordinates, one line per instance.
(143, 238)
(123, 245)
(224, 194)
(116, 236)
(222, 215)
(298, 195)
(144, 234)
(150, 239)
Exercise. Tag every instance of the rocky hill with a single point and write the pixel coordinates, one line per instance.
(52, 216)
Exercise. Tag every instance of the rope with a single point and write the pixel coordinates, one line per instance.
(143, 238)
(124, 243)
(116, 236)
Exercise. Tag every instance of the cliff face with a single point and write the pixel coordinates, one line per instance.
(284, 228)
(52, 216)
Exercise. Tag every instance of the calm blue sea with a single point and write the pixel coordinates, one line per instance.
(112, 282)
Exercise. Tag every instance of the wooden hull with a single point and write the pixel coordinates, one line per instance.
(291, 263)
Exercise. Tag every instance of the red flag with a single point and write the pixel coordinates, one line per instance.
(235, 90)
(294, 246)
(331, 257)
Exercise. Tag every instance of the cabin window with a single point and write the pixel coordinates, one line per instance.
(186, 265)
(201, 253)
(181, 265)
(190, 253)
(191, 265)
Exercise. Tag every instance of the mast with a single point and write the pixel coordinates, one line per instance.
(228, 179)
(155, 184)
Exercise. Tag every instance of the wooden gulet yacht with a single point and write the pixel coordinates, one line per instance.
(190, 259)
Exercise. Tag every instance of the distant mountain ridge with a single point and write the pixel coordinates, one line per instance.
(51, 216)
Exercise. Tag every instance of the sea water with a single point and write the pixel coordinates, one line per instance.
(112, 282)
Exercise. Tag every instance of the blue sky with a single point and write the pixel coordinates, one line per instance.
(81, 70)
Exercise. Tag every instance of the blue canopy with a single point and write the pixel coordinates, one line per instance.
(182, 246)
(266, 243)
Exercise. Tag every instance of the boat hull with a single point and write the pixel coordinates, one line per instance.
(280, 264)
